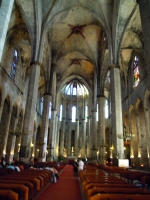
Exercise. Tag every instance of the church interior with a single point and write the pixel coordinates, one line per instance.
(75, 81)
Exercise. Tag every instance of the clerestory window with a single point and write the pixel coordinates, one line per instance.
(14, 64)
(136, 71)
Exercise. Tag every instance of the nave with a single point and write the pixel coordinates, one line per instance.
(67, 187)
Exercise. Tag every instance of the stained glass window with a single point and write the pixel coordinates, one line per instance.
(106, 109)
(86, 113)
(50, 110)
(41, 105)
(61, 112)
(136, 71)
(73, 114)
(14, 64)
(97, 114)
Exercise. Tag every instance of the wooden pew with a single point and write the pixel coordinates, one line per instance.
(120, 197)
(44, 172)
(8, 194)
(21, 190)
(101, 181)
(91, 185)
(145, 181)
(137, 175)
(25, 176)
(32, 190)
(34, 181)
(102, 190)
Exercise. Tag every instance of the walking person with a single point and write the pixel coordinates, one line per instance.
(80, 164)
(75, 168)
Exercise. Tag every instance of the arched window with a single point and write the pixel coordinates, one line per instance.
(97, 114)
(74, 91)
(73, 114)
(61, 112)
(14, 64)
(86, 113)
(136, 71)
(41, 105)
(50, 110)
(106, 109)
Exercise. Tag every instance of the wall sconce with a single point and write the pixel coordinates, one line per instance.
(132, 156)
(31, 145)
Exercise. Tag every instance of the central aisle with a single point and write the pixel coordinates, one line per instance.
(66, 188)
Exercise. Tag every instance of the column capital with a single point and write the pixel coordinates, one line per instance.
(94, 110)
(101, 95)
(35, 63)
(47, 93)
(53, 109)
(113, 66)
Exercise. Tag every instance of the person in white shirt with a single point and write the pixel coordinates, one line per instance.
(80, 164)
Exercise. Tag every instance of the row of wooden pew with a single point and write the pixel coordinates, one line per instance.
(98, 184)
(25, 185)
(127, 174)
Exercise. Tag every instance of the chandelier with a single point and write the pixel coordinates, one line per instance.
(126, 135)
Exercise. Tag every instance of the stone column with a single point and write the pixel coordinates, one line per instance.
(6, 133)
(93, 135)
(12, 147)
(57, 135)
(62, 137)
(88, 139)
(25, 150)
(147, 119)
(116, 109)
(1, 109)
(5, 14)
(51, 141)
(83, 129)
(101, 129)
(44, 130)
(69, 130)
(69, 138)
(76, 147)
(144, 7)
(138, 138)
(34, 144)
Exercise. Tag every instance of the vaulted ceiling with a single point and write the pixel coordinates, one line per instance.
(79, 38)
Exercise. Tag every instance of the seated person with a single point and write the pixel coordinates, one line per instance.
(11, 166)
(55, 172)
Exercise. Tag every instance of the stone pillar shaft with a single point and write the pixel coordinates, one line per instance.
(101, 129)
(7, 132)
(44, 130)
(116, 109)
(51, 142)
(62, 137)
(25, 150)
(12, 148)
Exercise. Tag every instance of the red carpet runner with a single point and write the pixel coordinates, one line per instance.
(66, 188)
